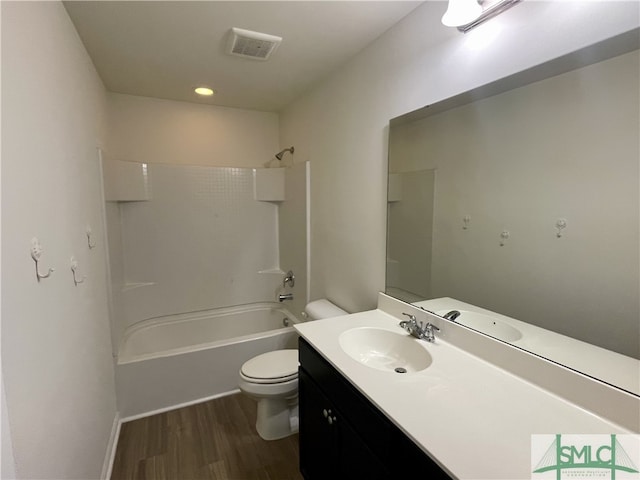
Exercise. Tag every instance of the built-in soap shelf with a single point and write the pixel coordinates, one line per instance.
(127, 287)
(272, 271)
(268, 184)
(125, 181)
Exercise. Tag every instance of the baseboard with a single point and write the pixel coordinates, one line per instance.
(175, 407)
(110, 454)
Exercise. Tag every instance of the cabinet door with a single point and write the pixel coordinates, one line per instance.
(318, 452)
(356, 460)
(329, 447)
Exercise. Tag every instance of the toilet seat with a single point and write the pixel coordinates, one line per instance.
(272, 367)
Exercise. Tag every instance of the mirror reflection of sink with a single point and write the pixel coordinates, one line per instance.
(486, 324)
(385, 350)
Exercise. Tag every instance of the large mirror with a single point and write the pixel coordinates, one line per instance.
(517, 207)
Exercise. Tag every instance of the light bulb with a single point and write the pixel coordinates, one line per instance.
(461, 12)
(204, 91)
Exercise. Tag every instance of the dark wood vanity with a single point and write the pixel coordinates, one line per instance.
(343, 435)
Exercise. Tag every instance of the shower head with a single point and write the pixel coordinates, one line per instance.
(280, 154)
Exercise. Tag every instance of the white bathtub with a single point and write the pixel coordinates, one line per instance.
(181, 359)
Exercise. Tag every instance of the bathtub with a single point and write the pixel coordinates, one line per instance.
(177, 360)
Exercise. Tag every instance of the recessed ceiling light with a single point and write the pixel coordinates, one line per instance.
(204, 91)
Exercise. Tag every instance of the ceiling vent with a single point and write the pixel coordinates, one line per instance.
(254, 45)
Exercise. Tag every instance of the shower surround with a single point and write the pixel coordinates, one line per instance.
(200, 243)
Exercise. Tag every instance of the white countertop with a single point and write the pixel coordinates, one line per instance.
(474, 418)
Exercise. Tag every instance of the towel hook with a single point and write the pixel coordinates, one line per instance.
(503, 237)
(74, 268)
(36, 252)
(89, 234)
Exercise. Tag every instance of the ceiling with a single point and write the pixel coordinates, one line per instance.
(165, 49)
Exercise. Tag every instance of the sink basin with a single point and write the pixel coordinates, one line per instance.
(487, 324)
(385, 350)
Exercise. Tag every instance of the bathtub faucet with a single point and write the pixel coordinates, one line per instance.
(285, 296)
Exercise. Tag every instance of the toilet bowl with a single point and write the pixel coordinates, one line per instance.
(272, 379)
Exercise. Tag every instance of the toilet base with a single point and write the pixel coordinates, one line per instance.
(277, 417)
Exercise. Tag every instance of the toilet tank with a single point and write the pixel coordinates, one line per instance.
(322, 308)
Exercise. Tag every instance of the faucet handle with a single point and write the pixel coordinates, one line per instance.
(428, 333)
(409, 325)
(289, 279)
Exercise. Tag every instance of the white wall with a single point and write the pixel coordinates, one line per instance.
(341, 126)
(56, 357)
(151, 130)
(8, 467)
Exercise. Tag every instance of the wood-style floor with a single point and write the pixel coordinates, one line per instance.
(212, 440)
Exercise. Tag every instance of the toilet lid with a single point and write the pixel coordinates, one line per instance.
(279, 364)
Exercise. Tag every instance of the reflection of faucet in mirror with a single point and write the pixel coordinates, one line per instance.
(452, 315)
(509, 171)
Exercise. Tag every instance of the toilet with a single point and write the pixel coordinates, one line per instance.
(272, 379)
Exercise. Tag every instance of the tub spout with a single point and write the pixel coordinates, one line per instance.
(285, 296)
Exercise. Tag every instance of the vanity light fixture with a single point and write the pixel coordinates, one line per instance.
(204, 91)
(467, 14)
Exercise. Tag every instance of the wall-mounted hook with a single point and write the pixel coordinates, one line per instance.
(560, 225)
(465, 222)
(503, 237)
(74, 268)
(36, 252)
(89, 239)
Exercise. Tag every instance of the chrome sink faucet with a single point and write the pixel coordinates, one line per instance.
(419, 330)
(452, 315)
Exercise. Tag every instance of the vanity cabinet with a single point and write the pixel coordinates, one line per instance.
(343, 435)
